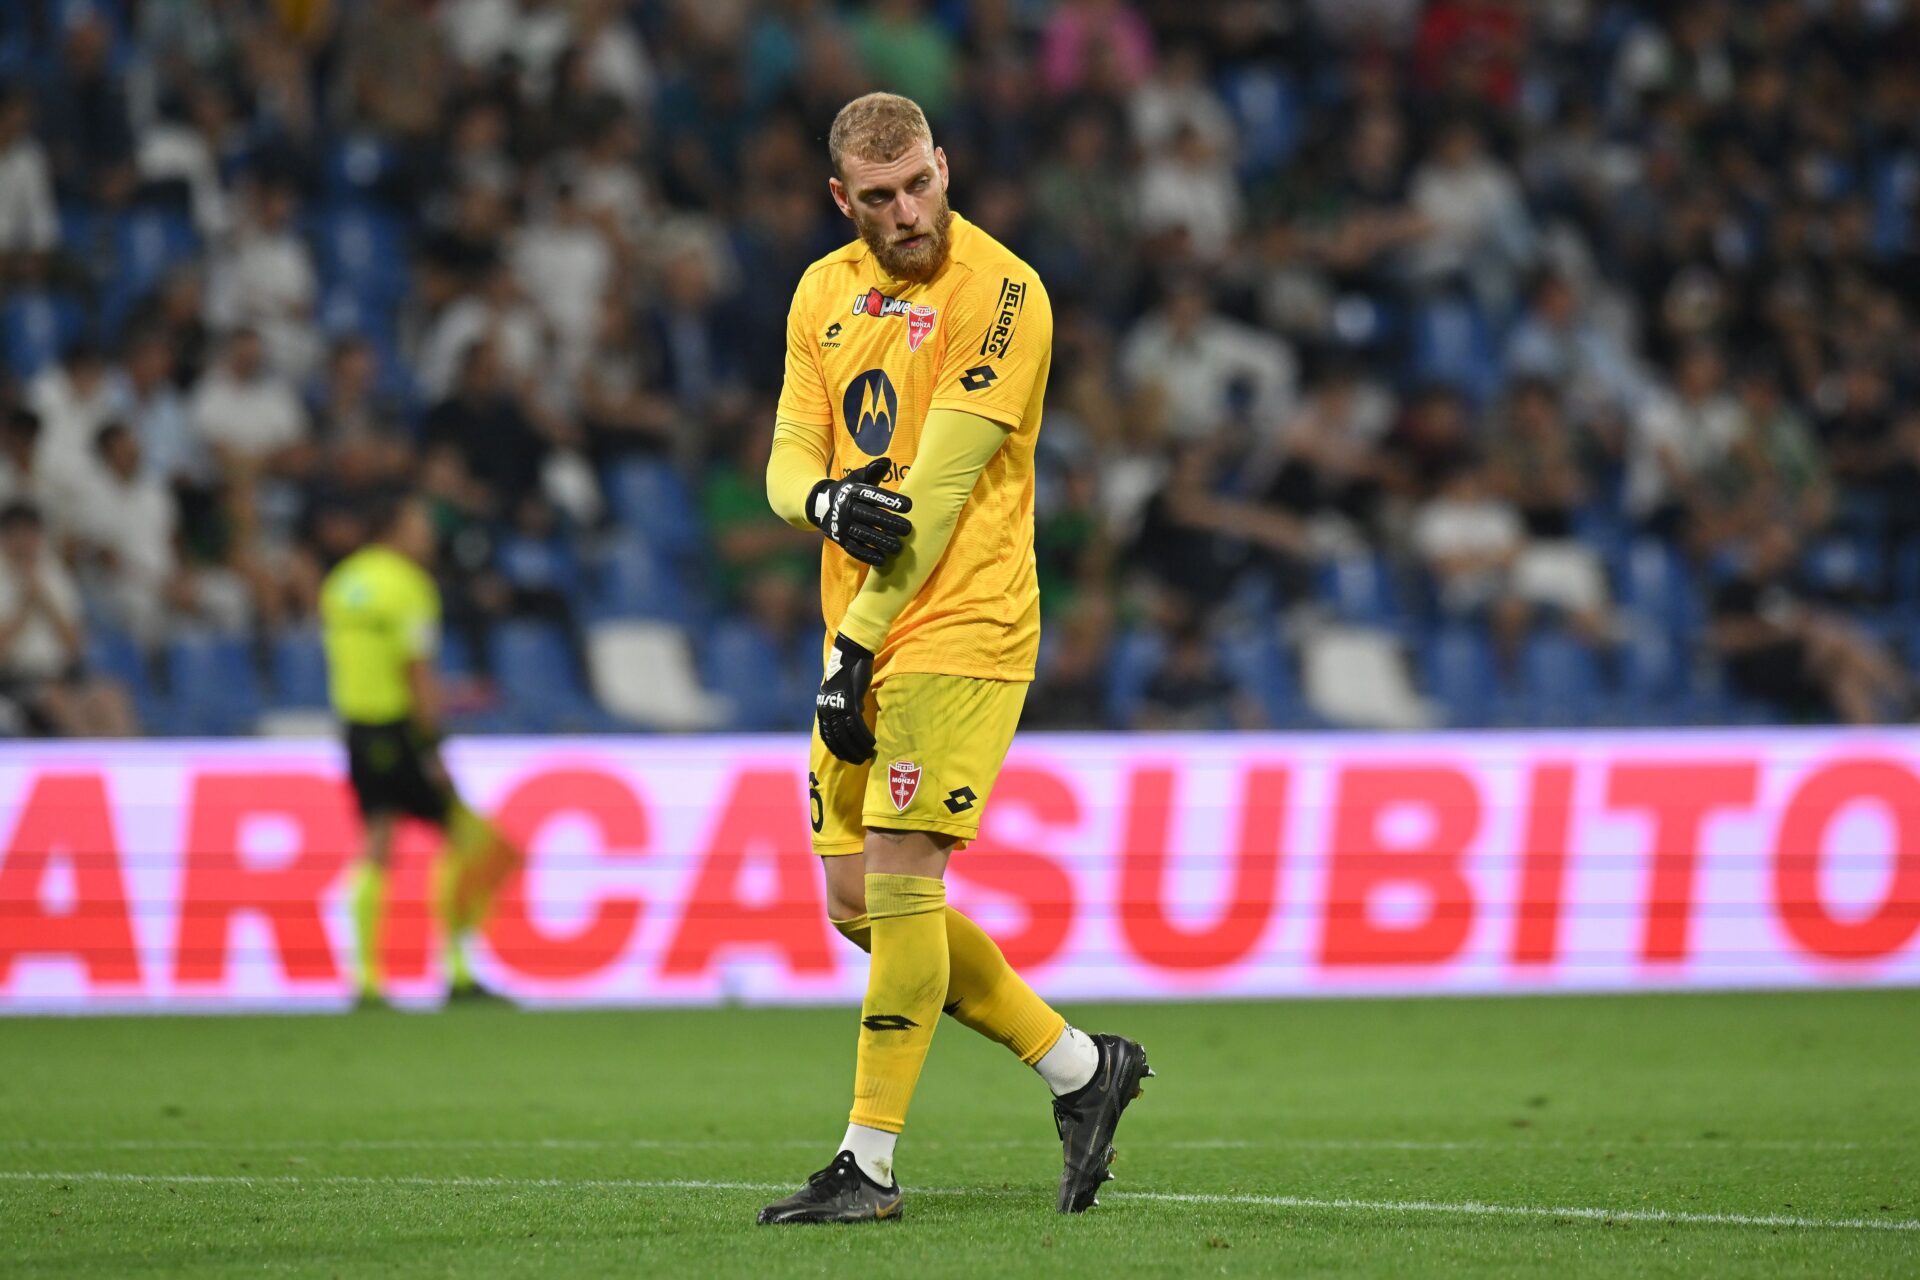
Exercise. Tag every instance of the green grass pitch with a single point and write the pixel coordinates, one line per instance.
(1760, 1135)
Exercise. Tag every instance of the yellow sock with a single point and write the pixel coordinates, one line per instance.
(905, 989)
(369, 909)
(478, 861)
(983, 991)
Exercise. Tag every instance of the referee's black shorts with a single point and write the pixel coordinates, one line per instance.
(392, 773)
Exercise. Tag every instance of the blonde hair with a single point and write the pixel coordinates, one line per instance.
(876, 126)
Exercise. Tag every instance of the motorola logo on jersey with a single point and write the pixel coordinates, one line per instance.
(871, 408)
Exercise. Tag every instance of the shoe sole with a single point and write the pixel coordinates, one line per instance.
(881, 1213)
(1086, 1196)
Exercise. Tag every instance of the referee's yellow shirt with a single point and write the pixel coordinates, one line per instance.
(867, 357)
(379, 612)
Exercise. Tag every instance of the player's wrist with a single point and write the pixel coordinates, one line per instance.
(818, 499)
(858, 638)
(851, 647)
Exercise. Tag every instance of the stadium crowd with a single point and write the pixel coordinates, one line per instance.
(1471, 362)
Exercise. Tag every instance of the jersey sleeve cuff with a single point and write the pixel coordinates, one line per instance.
(1008, 418)
(862, 631)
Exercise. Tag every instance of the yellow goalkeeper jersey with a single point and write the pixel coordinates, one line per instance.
(867, 357)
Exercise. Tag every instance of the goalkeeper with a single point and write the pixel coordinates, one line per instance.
(380, 619)
(918, 355)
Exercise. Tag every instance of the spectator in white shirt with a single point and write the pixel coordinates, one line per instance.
(127, 533)
(21, 479)
(1189, 188)
(247, 413)
(1479, 232)
(565, 266)
(1561, 340)
(174, 148)
(1677, 437)
(157, 413)
(29, 223)
(267, 281)
(1470, 542)
(73, 399)
(43, 639)
(1187, 358)
(496, 311)
(1178, 96)
(614, 61)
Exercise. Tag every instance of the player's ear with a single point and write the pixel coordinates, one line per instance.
(838, 190)
(940, 166)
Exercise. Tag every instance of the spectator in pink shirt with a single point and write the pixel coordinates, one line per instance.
(1080, 28)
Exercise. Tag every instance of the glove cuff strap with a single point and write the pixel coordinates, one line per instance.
(817, 499)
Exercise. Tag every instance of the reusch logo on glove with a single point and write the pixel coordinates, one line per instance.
(870, 408)
(903, 780)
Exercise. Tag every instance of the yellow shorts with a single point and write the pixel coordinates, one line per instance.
(940, 743)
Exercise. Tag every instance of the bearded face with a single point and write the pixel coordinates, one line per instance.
(901, 209)
(913, 253)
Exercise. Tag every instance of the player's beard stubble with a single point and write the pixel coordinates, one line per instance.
(918, 263)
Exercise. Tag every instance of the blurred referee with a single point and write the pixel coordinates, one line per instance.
(380, 619)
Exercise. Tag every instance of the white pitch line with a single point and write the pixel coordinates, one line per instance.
(1465, 1208)
(1477, 1208)
(1517, 1145)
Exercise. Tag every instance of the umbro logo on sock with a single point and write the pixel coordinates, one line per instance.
(888, 1022)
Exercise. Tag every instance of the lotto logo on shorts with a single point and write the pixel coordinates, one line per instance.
(903, 779)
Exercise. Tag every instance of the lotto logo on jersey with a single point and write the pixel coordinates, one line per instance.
(903, 780)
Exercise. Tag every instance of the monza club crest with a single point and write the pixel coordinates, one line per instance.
(903, 780)
(919, 325)
(920, 316)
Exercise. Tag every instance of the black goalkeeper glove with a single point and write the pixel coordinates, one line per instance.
(866, 520)
(842, 695)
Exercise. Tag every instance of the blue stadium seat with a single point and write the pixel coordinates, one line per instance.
(1893, 183)
(1657, 583)
(299, 669)
(214, 688)
(537, 676)
(1360, 588)
(1862, 513)
(637, 581)
(357, 165)
(146, 246)
(1845, 565)
(1712, 701)
(744, 664)
(114, 654)
(1559, 680)
(1904, 587)
(36, 327)
(457, 661)
(538, 563)
(1260, 670)
(1136, 656)
(362, 248)
(1653, 672)
(650, 496)
(1452, 343)
(1600, 526)
(1263, 105)
(1457, 667)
